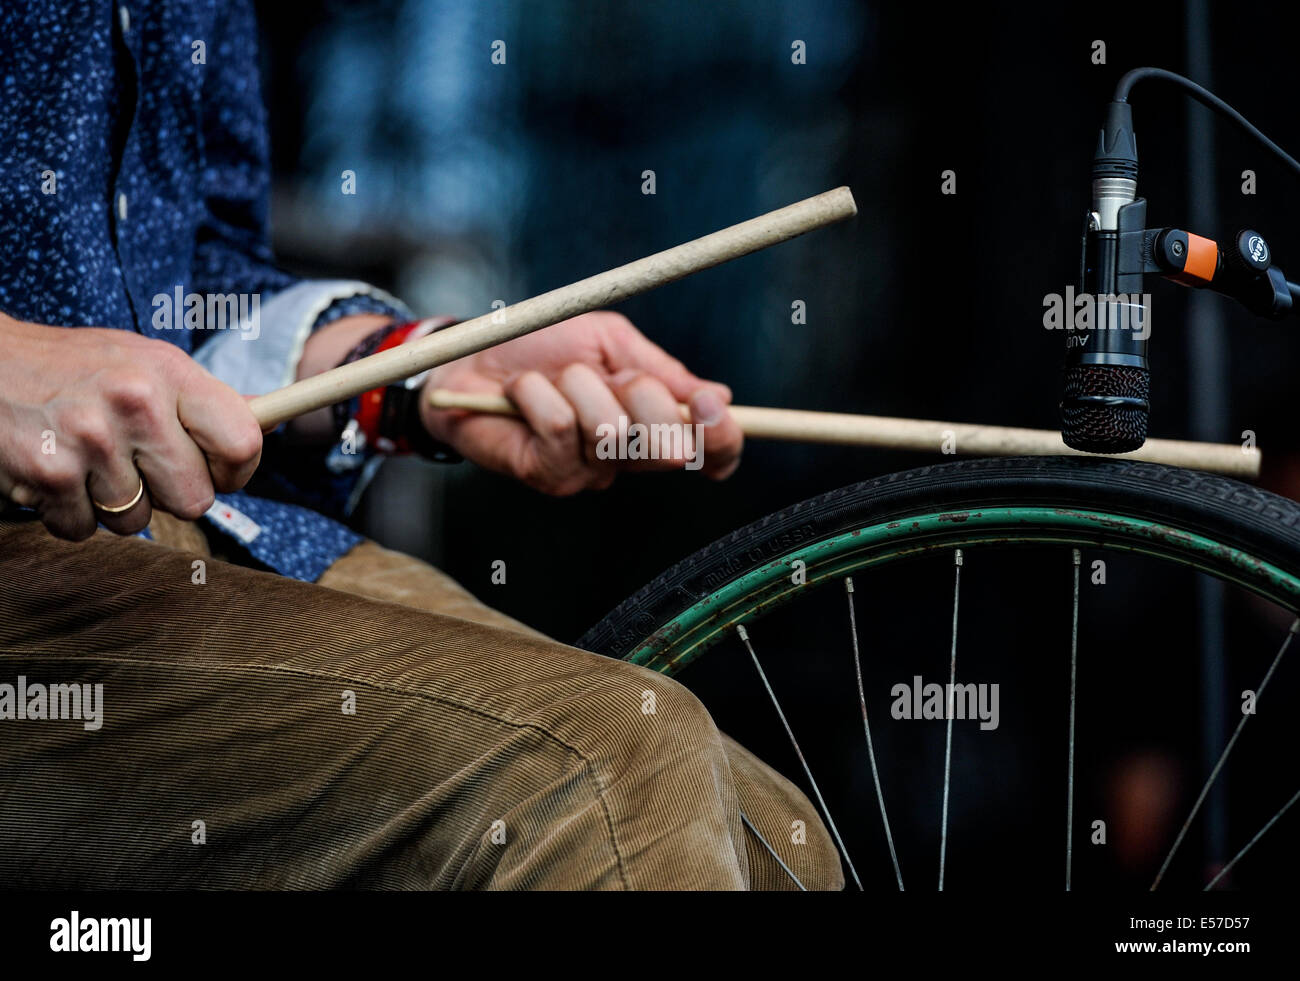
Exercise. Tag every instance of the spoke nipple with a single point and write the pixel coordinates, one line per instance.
(957, 557)
(848, 584)
(1077, 557)
(740, 629)
(1295, 627)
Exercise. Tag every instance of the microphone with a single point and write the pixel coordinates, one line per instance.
(1104, 401)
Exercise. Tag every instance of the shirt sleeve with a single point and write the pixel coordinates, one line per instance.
(232, 252)
(233, 255)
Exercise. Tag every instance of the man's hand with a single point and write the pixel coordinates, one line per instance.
(86, 413)
(566, 381)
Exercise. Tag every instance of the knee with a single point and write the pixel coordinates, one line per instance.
(795, 833)
(662, 775)
(822, 868)
(651, 720)
(794, 843)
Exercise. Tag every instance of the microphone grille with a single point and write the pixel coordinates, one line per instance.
(1104, 407)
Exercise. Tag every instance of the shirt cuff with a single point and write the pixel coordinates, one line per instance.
(265, 357)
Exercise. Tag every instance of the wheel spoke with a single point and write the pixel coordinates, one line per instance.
(1260, 834)
(871, 753)
(1205, 790)
(952, 685)
(830, 821)
(1069, 780)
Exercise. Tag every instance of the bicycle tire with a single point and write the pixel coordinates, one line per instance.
(1235, 518)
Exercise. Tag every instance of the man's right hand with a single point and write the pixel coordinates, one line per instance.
(86, 413)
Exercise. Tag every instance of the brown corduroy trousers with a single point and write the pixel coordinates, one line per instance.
(381, 729)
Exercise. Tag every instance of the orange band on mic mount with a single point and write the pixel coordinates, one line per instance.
(1202, 260)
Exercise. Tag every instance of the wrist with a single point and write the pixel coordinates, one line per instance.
(18, 328)
(390, 418)
(327, 347)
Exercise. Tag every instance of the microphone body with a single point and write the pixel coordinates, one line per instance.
(1105, 398)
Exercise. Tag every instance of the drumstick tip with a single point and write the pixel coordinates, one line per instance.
(851, 204)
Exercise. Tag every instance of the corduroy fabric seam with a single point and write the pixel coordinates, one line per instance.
(218, 668)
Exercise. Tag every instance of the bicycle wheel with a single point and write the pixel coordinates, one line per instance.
(1213, 525)
(1231, 530)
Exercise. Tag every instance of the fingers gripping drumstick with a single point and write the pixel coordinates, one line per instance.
(526, 316)
(922, 435)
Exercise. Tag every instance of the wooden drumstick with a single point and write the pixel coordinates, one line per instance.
(528, 315)
(923, 435)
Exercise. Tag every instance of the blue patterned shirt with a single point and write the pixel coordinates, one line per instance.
(134, 161)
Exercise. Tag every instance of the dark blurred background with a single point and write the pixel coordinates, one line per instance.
(478, 181)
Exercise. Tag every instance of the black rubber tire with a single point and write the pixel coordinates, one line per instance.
(1232, 513)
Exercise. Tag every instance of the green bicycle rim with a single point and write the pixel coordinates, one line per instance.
(689, 634)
